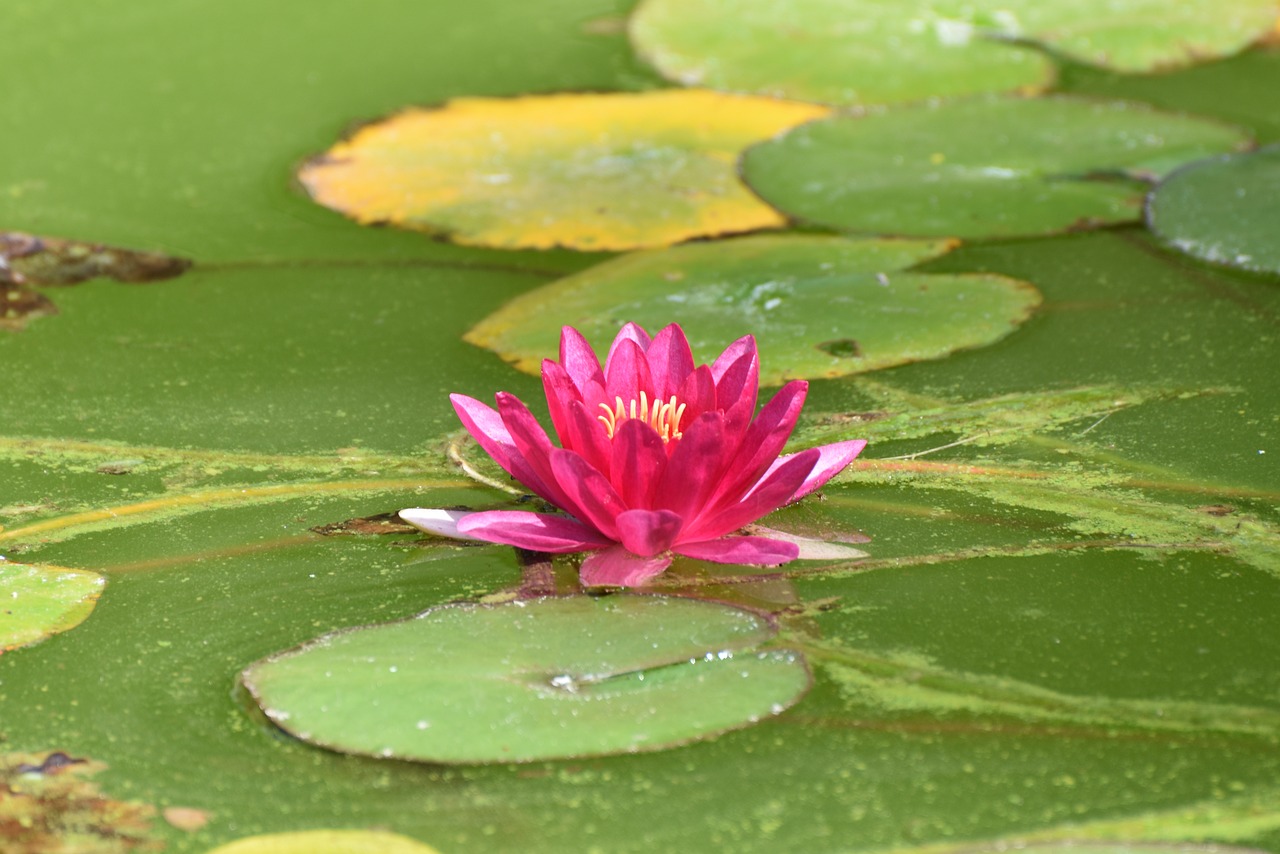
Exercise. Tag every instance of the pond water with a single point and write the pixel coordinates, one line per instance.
(1064, 629)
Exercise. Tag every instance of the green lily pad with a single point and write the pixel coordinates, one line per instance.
(326, 842)
(583, 171)
(39, 601)
(1225, 210)
(831, 52)
(530, 680)
(819, 306)
(990, 168)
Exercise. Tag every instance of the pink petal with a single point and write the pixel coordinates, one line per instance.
(833, 460)
(587, 436)
(648, 532)
(534, 446)
(578, 359)
(670, 361)
(560, 390)
(756, 551)
(617, 567)
(774, 490)
(736, 389)
(694, 468)
(442, 523)
(811, 548)
(629, 332)
(627, 374)
(598, 505)
(539, 532)
(698, 394)
(763, 441)
(486, 426)
(744, 346)
(638, 461)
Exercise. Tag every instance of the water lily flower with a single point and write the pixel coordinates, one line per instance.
(656, 458)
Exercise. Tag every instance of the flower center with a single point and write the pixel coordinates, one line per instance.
(664, 418)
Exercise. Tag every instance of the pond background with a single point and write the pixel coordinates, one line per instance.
(298, 375)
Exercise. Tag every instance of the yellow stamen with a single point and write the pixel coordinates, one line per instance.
(664, 418)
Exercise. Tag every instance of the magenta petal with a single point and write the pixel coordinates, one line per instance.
(756, 551)
(587, 436)
(598, 505)
(617, 567)
(560, 390)
(736, 391)
(833, 460)
(697, 393)
(638, 460)
(534, 446)
(648, 532)
(763, 441)
(627, 374)
(744, 346)
(694, 468)
(629, 332)
(537, 532)
(578, 359)
(486, 426)
(670, 361)
(773, 490)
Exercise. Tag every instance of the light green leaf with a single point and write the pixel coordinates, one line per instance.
(530, 680)
(39, 601)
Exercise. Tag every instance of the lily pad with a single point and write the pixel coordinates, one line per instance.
(591, 172)
(819, 306)
(856, 52)
(39, 601)
(1225, 210)
(531, 680)
(326, 842)
(989, 168)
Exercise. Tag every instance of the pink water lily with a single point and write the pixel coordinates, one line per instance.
(656, 458)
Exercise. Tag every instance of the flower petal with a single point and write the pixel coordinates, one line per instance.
(670, 360)
(697, 393)
(560, 390)
(598, 505)
(694, 468)
(486, 426)
(648, 532)
(764, 440)
(534, 446)
(442, 523)
(539, 532)
(810, 547)
(578, 359)
(627, 374)
(617, 567)
(832, 460)
(638, 460)
(744, 346)
(587, 437)
(629, 332)
(737, 384)
(773, 490)
(756, 551)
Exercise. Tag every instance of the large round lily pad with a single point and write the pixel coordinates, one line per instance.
(1225, 210)
(593, 172)
(39, 601)
(877, 52)
(986, 168)
(832, 51)
(819, 306)
(530, 680)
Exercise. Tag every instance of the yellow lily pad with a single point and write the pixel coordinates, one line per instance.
(39, 601)
(326, 842)
(583, 171)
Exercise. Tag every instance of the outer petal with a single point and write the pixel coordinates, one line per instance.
(629, 332)
(617, 567)
(539, 532)
(774, 490)
(832, 460)
(487, 428)
(638, 460)
(757, 551)
(698, 394)
(762, 443)
(736, 388)
(534, 446)
(744, 346)
(442, 523)
(648, 532)
(694, 469)
(670, 360)
(598, 505)
(561, 391)
(578, 359)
